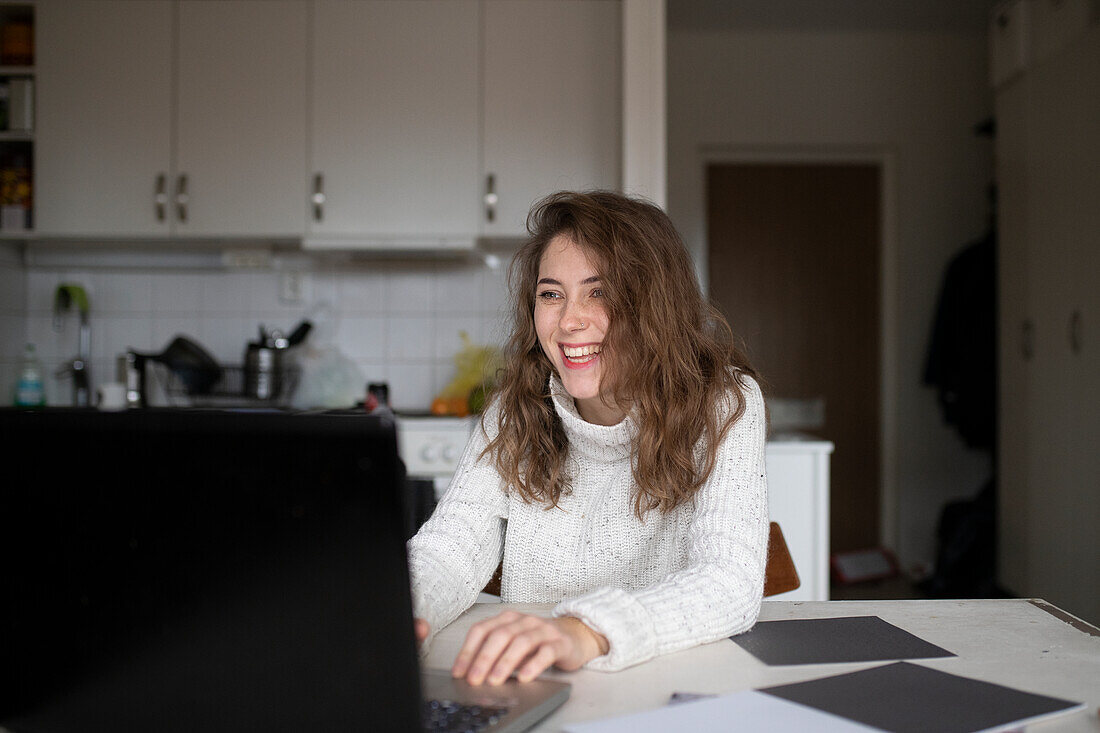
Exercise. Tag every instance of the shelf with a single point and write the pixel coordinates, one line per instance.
(16, 136)
(16, 71)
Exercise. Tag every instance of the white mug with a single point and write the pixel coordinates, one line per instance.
(111, 397)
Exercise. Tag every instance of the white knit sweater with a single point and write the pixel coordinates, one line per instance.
(670, 582)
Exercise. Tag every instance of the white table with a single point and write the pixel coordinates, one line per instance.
(1028, 645)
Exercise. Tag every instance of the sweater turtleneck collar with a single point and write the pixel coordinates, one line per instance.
(596, 442)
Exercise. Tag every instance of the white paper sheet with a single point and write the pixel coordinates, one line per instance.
(744, 711)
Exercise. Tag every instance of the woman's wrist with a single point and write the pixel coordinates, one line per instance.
(594, 643)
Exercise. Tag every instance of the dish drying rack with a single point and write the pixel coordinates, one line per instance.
(229, 390)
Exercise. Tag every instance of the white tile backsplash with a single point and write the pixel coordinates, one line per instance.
(459, 288)
(50, 344)
(230, 292)
(494, 294)
(410, 384)
(362, 337)
(176, 293)
(225, 336)
(324, 286)
(164, 328)
(114, 335)
(410, 337)
(13, 322)
(123, 293)
(409, 289)
(359, 291)
(12, 293)
(448, 339)
(397, 319)
(40, 290)
(374, 371)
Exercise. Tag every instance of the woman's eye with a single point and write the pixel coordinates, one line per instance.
(549, 295)
(597, 293)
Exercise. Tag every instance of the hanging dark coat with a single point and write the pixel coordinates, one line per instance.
(962, 358)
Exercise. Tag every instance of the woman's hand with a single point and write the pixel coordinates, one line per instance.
(527, 645)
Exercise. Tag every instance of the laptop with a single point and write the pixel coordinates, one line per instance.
(183, 570)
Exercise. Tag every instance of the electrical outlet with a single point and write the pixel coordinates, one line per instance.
(292, 287)
(246, 259)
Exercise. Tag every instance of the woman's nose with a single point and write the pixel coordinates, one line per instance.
(572, 318)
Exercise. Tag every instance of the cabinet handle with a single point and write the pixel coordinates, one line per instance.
(181, 197)
(1027, 339)
(490, 197)
(160, 197)
(318, 197)
(1075, 332)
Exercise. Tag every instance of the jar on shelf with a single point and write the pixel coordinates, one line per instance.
(15, 193)
(17, 44)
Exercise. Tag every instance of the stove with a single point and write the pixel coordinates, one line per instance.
(431, 446)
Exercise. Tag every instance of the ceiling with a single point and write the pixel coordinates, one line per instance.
(965, 16)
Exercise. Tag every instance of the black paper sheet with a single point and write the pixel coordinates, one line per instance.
(832, 640)
(909, 698)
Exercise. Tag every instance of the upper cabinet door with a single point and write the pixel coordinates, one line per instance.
(395, 120)
(552, 94)
(241, 137)
(104, 117)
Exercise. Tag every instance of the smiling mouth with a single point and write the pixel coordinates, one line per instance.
(580, 355)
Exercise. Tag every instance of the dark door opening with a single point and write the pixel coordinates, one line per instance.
(794, 252)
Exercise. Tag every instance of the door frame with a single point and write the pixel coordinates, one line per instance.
(886, 160)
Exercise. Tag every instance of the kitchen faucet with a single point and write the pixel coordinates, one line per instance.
(66, 296)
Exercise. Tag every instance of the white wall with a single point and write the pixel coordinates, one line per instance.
(911, 96)
(12, 322)
(398, 320)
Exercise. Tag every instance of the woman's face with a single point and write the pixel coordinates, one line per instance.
(571, 322)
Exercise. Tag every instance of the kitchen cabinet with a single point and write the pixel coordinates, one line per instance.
(394, 123)
(367, 124)
(104, 73)
(161, 118)
(552, 91)
(1048, 158)
(241, 120)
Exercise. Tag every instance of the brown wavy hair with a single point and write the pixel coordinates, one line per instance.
(668, 354)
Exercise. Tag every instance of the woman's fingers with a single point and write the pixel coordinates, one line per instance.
(495, 648)
(474, 639)
(522, 646)
(538, 663)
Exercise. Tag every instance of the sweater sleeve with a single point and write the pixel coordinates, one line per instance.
(718, 593)
(455, 552)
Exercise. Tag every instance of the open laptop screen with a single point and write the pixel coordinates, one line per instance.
(203, 570)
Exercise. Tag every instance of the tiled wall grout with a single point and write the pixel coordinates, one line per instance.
(13, 324)
(398, 320)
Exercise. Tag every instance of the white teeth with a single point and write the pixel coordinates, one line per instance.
(574, 352)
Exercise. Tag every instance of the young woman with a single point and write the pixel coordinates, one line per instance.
(619, 469)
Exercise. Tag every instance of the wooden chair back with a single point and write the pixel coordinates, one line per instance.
(780, 575)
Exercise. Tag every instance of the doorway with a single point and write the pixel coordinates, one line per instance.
(794, 264)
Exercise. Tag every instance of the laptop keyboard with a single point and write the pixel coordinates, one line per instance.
(447, 715)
